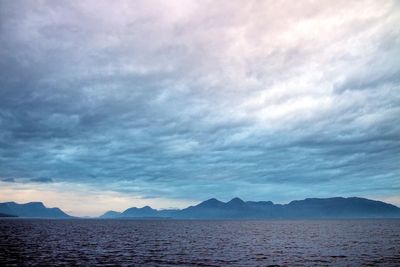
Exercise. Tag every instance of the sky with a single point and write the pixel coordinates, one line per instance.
(114, 104)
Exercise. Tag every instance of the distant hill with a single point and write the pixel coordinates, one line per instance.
(145, 212)
(31, 210)
(337, 207)
(111, 214)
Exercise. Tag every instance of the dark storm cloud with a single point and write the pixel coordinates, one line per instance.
(192, 103)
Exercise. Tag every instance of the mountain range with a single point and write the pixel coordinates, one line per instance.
(309, 208)
(337, 207)
(30, 210)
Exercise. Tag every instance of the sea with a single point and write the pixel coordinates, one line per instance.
(107, 242)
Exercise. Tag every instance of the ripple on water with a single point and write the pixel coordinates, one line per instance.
(200, 243)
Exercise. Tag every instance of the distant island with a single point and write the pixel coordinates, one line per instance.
(31, 210)
(309, 208)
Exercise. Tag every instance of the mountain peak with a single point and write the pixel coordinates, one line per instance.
(36, 204)
(236, 200)
(212, 200)
(210, 203)
(236, 203)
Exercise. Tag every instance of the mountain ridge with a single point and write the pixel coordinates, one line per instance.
(31, 210)
(236, 208)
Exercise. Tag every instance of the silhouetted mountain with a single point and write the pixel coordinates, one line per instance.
(31, 210)
(211, 203)
(111, 214)
(341, 207)
(236, 208)
(236, 203)
(145, 212)
(213, 208)
(140, 212)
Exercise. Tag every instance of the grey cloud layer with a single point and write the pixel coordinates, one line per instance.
(199, 99)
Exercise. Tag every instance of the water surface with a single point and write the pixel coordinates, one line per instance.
(200, 243)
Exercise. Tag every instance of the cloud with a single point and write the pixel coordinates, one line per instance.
(8, 180)
(267, 100)
(41, 180)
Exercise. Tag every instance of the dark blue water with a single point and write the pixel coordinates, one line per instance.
(200, 243)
